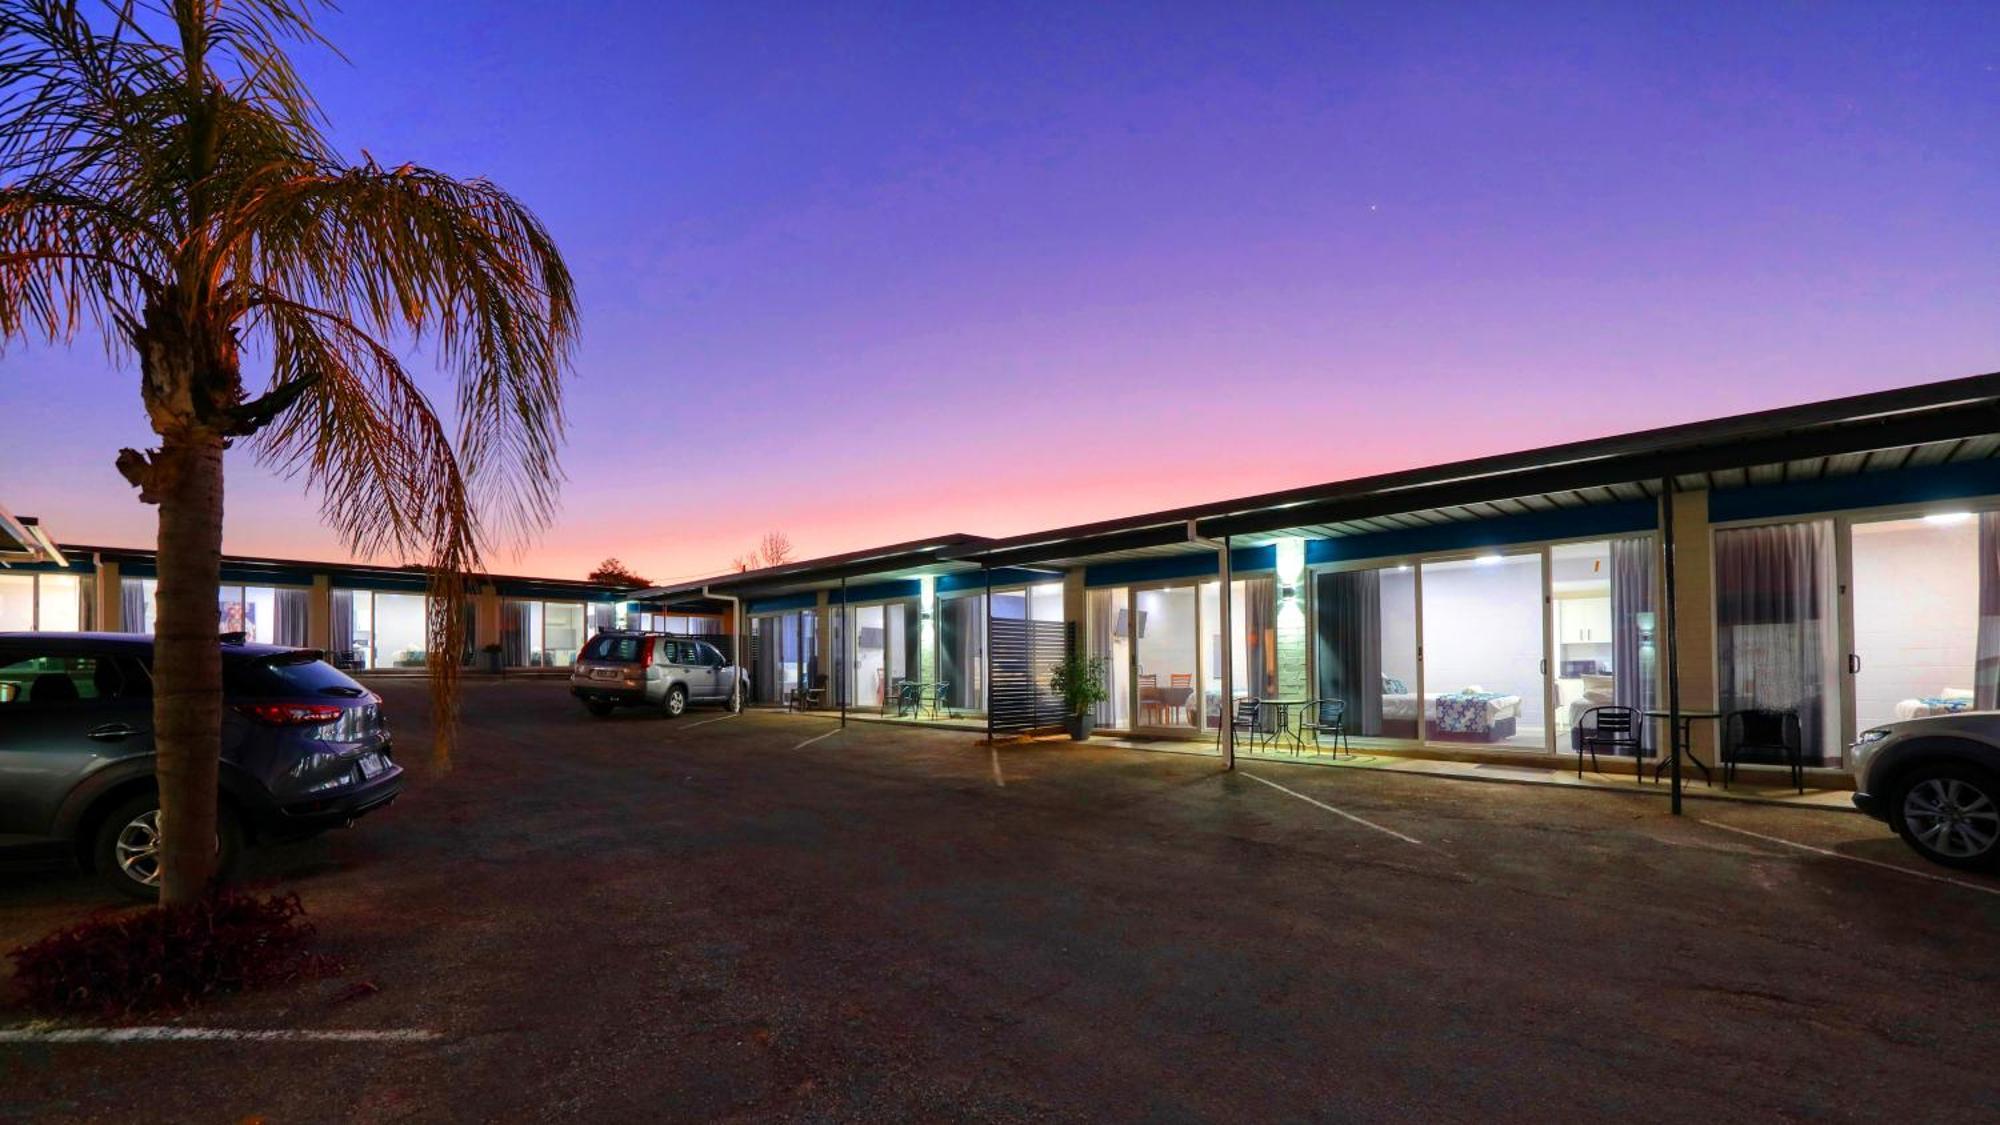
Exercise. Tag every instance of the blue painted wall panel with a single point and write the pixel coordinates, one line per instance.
(1862, 490)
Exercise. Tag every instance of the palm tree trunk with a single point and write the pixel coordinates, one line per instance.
(187, 663)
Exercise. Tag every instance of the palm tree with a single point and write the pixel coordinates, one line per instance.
(164, 180)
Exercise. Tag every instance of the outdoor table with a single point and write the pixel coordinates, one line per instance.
(1285, 725)
(1680, 739)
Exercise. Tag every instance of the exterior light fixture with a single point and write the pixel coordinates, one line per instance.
(1489, 560)
(1947, 519)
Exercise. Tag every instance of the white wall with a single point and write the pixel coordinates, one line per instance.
(1483, 626)
(1916, 612)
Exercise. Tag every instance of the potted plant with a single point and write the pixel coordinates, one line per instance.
(1080, 682)
(492, 652)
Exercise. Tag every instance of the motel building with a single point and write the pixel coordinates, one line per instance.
(369, 619)
(1833, 566)
(1808, 572)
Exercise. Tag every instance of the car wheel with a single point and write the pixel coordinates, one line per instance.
(736, 699)
(1950, 813)
(676, 702)
(127, 849)
(601, 708)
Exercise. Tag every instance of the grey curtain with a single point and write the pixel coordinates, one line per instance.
(1101, 614)
(1773, 623)
(132, 605)
(1986, 675)
(514, 634)
(290, 627)
(1260, 632)
(340, 630)
(1635, 661)
(1348, 635)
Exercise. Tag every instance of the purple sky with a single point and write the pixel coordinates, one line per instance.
(874, 274)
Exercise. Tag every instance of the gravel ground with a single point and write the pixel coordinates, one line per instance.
(643, 919)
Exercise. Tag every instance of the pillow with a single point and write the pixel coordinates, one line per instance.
(1599, 697)
(1597, 683)
(1956, 693)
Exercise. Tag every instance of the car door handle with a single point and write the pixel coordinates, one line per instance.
(112, 732)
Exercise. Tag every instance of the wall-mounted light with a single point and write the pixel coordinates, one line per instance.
(1645, 620)
(1288, 593)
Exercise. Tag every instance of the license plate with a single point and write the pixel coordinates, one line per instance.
(604, 673)
(370, 765)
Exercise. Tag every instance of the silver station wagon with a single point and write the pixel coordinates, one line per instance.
(621, 668)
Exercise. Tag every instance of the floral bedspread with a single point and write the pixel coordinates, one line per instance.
(1467, 712)
(1953, 706)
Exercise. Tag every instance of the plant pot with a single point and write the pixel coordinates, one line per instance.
(1079, 726)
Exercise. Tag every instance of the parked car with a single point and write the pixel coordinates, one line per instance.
(304, 749)
(1936, 781)
(629, 668)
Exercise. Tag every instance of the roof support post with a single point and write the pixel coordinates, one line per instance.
(1225, 735)
(840, 668)
(1673, 645)
(986, 651)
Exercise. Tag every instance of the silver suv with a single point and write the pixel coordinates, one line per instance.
(620, 668)
(1936, 781)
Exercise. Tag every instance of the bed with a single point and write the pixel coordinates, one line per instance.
(1468, 715)
(1949, 701)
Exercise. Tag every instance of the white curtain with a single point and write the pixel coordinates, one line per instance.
(1986, 675)
(1774, 624)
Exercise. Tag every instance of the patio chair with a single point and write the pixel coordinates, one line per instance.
(1778, 732)
(909, 696)
(1611, 728)
(941, 700)
(808, 699)
(1249, 719)
(1327, 716)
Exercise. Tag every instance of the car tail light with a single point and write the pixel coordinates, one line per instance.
(292, 714)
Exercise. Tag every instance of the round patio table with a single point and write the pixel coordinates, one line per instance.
(1682, 738)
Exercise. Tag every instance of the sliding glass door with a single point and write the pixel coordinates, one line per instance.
(1777, 631)
(1166, 627)
(1926, 616)
(1484, 651)
(883, 652)
(1365, 647)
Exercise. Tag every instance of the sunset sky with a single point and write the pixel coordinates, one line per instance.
(870, 274)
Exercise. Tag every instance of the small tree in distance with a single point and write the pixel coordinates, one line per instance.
(774, 549)
(611, 572)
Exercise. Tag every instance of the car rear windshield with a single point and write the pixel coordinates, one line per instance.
(289, 674)
(614, 650)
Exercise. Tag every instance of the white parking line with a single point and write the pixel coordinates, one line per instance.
(1337, 812)
(816, 738)
(1855, 858)
(209, 1034)
(998, 779)
(705, 722)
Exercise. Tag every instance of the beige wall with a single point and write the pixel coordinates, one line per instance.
(1694, 584)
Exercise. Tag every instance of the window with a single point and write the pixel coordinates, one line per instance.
(1483, 657)
(1776, 639)
(46, 603)
(1365, 628)
(54, 679)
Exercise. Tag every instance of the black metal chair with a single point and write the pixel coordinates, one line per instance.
(941, 700)
(1611, 728)
(1249, 719)
(1778, 732)
(808, 698)
(1328, 716)
(909, 697)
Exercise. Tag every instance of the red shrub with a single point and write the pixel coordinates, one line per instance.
(166, 958)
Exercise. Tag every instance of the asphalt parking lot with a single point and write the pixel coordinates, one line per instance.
(750, 918)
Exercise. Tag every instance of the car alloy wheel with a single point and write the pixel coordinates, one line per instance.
(137, 849)
(677, 702)
(1952, 817)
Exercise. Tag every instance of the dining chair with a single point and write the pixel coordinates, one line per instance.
(1149, 697)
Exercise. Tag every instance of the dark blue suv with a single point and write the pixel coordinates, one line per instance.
(304, 749)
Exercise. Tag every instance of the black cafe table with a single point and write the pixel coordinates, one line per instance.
(1682, 739)
(1284, 726)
